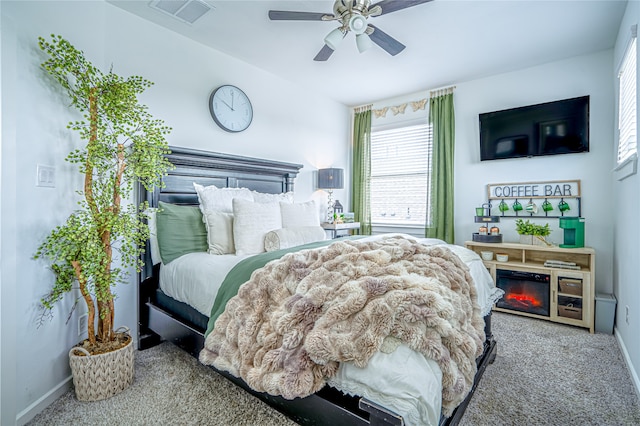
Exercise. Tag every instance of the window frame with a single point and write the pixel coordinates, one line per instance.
(409, 228)
(628, 166)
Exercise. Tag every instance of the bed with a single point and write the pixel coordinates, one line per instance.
(162, 317)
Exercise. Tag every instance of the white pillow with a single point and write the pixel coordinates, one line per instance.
(153, 236)
(299, 214)
(219, 232)
(290, 237)
(213, 198)
(251, 222)
(216, 205)
(262, 197)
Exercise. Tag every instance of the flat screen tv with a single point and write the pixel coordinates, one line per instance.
(560, 127)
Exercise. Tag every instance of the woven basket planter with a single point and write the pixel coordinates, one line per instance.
(102, 376)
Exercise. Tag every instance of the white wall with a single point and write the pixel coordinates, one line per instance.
(586, 75)
(7, 232)
(289, 125)
(626, 251)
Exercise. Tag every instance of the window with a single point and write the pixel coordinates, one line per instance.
(400, 175)
(627, 141)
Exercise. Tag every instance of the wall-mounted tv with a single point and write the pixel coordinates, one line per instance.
(560, 127)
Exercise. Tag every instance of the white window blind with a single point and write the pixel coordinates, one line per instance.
(627, 142)
(400, 175)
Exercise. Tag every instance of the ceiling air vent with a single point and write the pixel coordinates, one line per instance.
(185, 10)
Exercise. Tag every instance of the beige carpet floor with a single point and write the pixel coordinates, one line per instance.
(544, 374)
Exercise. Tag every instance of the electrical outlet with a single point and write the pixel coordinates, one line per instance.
(627, 314)
(82, 324)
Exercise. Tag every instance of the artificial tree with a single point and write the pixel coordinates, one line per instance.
(123, 144)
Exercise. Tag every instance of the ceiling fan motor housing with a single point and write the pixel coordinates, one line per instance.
(352, 16)
(340, 7)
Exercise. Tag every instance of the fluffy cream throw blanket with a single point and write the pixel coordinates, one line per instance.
(298, 317)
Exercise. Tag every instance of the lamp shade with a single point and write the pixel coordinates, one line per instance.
(334, 38)
(330, 178)
(363, 42)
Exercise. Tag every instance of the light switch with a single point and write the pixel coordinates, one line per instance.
(46, 176)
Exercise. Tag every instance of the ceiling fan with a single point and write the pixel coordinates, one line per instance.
(353, 16)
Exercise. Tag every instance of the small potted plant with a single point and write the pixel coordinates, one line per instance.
(123, 145)
(530, 233)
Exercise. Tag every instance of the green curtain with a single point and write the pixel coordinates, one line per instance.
(361, 169)
(441, 116)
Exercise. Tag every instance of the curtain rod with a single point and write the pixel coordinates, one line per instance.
(441, 91)
(433, 92)
(362, 108)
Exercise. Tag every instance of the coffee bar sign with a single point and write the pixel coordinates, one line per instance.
(551, 189)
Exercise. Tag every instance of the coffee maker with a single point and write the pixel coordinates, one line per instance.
(573, 232)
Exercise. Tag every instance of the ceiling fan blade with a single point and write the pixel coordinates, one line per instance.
(324, 53)
(384, 40)
(389, 6)
(283, 15)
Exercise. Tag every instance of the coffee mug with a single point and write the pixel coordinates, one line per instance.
(563, 206)
(516, 206)
(479, 211)
(547, 206)
(503, 207)
(531, 207)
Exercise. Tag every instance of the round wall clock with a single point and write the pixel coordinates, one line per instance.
(230, 108)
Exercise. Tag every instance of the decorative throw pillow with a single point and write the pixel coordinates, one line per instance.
(180, 231)
(213, 198)
(153, 236)
(251, 222)
(216, 205)
(290, 237)
(219, 232)
(299, 214)
(261, 197)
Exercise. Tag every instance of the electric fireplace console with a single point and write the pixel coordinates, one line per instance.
(550, 283)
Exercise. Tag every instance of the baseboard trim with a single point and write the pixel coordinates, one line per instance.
(47, 399)
(627, 360)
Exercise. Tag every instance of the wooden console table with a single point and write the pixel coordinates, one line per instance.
(568, 288)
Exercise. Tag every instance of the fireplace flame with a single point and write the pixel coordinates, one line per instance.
(523, 300)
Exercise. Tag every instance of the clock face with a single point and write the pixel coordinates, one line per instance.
(230, 108)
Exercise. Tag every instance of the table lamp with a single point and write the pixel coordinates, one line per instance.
(330, 179)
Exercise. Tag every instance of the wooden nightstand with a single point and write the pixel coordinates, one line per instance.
(341, 229)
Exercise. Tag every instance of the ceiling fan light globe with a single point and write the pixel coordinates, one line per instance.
(363, 42)
(358, 24)
(334, 38)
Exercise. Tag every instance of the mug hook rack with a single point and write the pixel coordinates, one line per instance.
(551, 199)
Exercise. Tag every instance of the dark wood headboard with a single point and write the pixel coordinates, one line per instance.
(221, 170)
